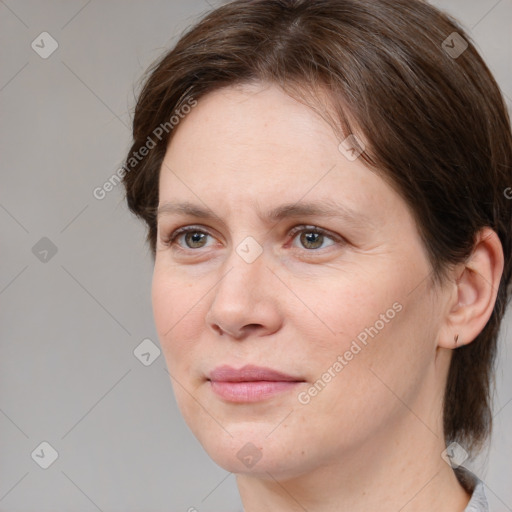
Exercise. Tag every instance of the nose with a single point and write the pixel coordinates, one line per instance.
(245, 300)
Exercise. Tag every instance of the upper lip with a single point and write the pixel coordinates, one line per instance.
(249, 373)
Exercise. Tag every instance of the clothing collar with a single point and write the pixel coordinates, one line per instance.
(475, 486)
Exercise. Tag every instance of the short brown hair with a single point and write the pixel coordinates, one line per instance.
(435, 125)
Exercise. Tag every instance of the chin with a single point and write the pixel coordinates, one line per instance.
(250, 450)
(261, 439)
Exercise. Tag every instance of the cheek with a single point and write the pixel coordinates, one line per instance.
(336, 311)
(366, 321)
(383, 351)
(176, 312)
(357, 387)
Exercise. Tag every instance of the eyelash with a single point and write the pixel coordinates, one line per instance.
(170, 240)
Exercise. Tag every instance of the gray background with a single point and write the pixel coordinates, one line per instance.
(70, 324)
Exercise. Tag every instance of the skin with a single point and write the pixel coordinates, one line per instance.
(372, 438)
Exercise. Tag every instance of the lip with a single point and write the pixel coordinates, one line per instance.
(249, 373)
(250, 383)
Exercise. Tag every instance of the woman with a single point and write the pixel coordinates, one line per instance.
(323, 185)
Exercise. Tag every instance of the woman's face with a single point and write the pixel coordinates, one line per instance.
(337, 300)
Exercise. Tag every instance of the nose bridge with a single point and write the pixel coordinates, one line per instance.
(246, 270)
(243, 296)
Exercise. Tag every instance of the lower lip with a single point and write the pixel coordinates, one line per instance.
(250, 391)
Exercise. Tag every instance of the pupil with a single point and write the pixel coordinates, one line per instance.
(312, 239)
(196, 237)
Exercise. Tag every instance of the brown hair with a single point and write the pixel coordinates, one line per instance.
(435, 126)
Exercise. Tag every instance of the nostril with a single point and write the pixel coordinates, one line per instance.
(218, 329)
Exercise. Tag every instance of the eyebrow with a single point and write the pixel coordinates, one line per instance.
(324, 208)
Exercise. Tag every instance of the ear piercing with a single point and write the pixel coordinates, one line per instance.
(456, 339)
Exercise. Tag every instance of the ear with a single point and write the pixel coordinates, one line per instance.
(473, 292)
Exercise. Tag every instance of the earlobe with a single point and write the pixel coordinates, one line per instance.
(476, 288)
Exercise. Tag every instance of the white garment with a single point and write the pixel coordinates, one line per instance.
(478, 502)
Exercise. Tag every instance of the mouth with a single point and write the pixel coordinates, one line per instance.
(250, 383)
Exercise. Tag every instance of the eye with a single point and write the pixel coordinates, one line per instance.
(313, 238)
(193, 237)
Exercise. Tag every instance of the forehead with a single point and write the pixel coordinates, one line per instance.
(255, 144)
(258, 117)
(251, 128)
